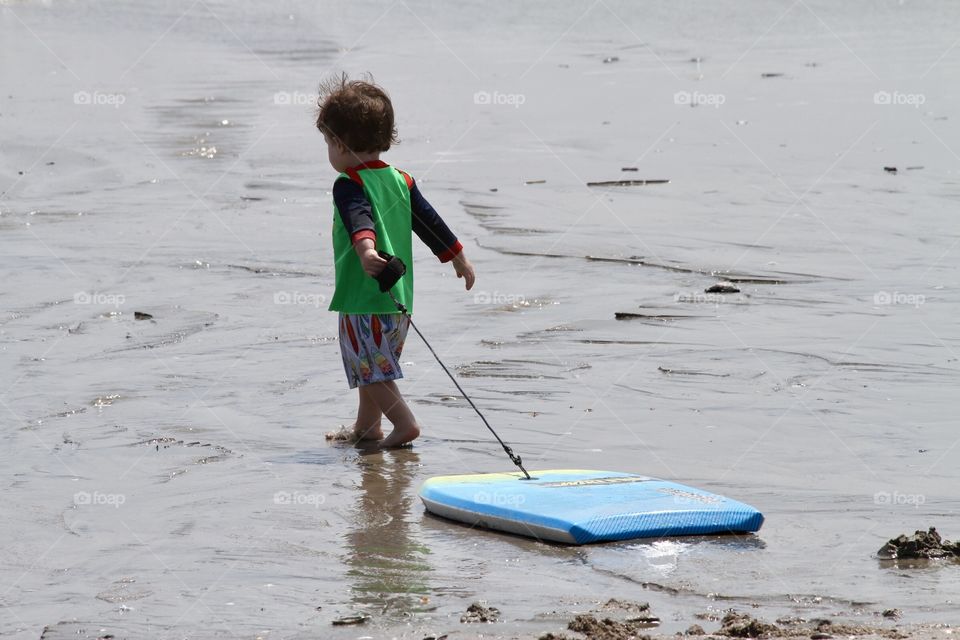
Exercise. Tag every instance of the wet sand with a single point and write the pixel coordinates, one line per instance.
(168, 476)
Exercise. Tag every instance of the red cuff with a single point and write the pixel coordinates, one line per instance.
(451, 253)
(364, 233)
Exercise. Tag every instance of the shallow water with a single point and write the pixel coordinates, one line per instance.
(168, 476)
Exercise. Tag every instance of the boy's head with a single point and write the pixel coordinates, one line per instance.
(356, 117)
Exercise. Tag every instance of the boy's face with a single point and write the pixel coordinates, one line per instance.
(340, 157)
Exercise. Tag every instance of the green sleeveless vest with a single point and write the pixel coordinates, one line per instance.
(356, 292)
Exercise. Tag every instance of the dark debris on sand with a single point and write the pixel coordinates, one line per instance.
(722, 287)
(605, 629)
(742, 625)
(922, 544)
(476, 612)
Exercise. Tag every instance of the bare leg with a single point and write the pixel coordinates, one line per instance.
(388, 398)
(367, 426)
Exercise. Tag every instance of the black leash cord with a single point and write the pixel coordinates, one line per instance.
(513, 457)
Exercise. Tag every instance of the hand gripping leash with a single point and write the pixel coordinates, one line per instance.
(392, 272)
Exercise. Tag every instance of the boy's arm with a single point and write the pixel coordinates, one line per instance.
(371, 261)
(357, 216)
(355, 210)
(430, 227)
(464, 269)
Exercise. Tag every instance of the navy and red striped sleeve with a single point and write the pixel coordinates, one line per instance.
(430, 227)
(355, 210)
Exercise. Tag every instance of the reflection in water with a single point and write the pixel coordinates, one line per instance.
(917, 564)
(387, 567)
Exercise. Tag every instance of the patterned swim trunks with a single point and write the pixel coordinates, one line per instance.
(371, 345)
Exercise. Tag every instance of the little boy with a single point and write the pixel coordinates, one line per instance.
(376, 207)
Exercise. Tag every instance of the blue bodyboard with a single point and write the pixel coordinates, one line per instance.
(577, 506)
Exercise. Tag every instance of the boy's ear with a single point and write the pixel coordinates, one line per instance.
(337, 144)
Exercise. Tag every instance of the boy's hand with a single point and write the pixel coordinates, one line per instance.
(370, 260)
(464, 269)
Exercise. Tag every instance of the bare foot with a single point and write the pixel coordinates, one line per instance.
(372, 433)
(400, 437)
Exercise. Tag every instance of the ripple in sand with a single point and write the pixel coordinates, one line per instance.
(517, 369)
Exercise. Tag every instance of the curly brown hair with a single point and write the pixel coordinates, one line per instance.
(356, 113)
